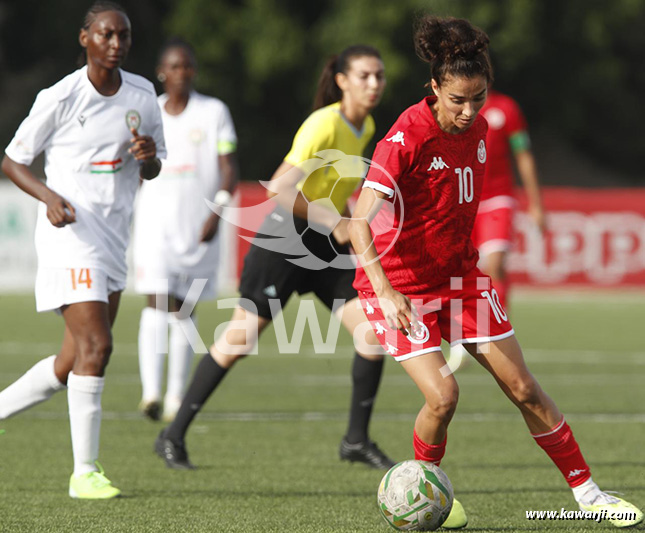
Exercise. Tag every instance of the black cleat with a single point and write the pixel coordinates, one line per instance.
(151, 410)
(365, 452)
(174, 454)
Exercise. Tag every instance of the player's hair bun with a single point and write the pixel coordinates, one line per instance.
(448, 42)
(448, 39)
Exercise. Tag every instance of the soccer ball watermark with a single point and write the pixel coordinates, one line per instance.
(286, 231)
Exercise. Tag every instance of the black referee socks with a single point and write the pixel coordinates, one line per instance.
(366, 376)
(207, 377)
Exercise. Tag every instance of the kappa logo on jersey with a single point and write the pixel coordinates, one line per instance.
(379, 328)
(481, 152)
(437, 164)
(397, 138)
(391, 349)
(81, 120)
(133, 119)
(369, 310)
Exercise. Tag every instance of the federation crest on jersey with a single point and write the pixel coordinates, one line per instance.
(419, 333)
(481, 152)
(196, 136)
(133, 119)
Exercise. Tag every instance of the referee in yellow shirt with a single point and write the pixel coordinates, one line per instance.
(312, 255)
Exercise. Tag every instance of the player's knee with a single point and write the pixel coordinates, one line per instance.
(442, 406)
(525, 392)
(94, 353)
(234, 345)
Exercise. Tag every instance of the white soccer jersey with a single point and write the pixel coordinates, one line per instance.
(86, 137)
(171, 210)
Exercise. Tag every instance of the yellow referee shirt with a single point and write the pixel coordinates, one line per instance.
(327, 129)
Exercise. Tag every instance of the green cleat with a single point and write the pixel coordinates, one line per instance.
(457, 517)
(626, 514)
(92, 486)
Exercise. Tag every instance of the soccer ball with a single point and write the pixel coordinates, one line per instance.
(415, 496)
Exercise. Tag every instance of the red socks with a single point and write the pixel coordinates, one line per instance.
(561, 446)
(432, 453)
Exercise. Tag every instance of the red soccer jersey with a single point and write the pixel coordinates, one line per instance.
(438, 176)
(506, 126)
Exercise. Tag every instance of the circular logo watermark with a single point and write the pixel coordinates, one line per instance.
(338, 174)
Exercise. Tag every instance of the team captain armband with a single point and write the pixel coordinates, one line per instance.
(520, 141)
(226, 147)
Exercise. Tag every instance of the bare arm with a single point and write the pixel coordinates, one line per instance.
(283, 189)
(59, 211)
(230, 173)
(144, 150)
(527, 170)
(396, 307)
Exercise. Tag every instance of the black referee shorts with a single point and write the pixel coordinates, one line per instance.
(269, 275)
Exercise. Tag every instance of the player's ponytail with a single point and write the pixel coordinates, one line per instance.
(452, 47)
(328, 90)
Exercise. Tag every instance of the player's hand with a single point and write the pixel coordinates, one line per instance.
(397, 310)
(143, 146)
(209, 229)
(59, 211)
(341, 231)
(539, 217)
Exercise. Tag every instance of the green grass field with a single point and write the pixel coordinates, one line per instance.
(266, 443)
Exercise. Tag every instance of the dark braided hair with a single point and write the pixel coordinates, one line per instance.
(98, 7)
(452, 47)
(177, 42)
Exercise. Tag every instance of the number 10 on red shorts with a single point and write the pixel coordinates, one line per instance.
(462, 311)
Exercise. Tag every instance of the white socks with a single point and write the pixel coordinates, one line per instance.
(180, 358)
(153, 345)
(38, 384)
(590, 494)
(84, 398)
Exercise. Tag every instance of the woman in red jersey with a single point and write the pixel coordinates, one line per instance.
(427, 286)
(507, 140)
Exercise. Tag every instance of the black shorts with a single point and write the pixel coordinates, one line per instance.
(269, 275)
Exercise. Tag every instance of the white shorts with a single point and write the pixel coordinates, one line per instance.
(56, 287)
(181, 286)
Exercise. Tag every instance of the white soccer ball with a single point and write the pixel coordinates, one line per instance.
(415, 496)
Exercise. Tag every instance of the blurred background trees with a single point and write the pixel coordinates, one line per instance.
(577, 67)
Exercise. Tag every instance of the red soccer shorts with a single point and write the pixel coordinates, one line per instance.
(493, 230)
(462, 311)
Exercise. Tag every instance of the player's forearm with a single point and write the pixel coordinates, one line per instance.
(22, 176)
(230, 172)
(527, 170)
(360, 235)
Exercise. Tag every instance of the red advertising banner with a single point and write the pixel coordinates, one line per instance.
(595, 237)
